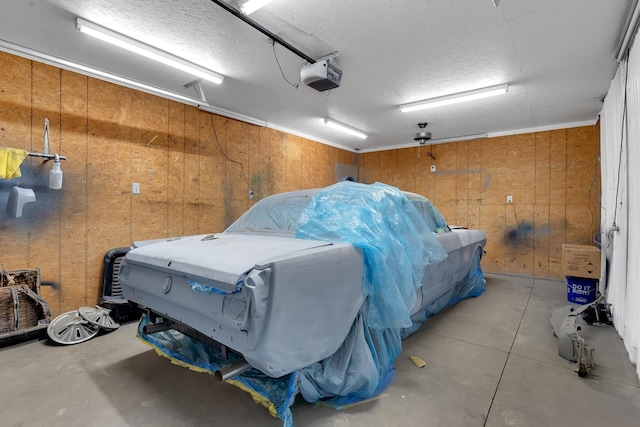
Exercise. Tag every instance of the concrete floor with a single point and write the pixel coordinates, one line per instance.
(491, 361)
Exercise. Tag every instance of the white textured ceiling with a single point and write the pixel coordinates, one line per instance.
(557, 56)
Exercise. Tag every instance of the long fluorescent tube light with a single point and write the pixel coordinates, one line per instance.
(145, 50)
(233, 115)
(252, 5)
(45, 58)
(344, 128)
(455, 98)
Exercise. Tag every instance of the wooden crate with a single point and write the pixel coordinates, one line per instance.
(22, 310)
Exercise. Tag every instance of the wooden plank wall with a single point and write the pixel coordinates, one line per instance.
(553, 176)
(195, 170)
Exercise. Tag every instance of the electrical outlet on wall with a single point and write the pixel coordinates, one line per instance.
(509, 199)
(135, 188)
(433, 168)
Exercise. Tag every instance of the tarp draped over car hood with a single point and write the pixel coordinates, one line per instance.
(397, 246)
(222, 258)
(396, 242)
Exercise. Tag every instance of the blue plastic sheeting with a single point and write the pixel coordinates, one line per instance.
(397, 246)
(396, 243)
(277, 394)
(471, 286)
(199, 287)
(434, 219)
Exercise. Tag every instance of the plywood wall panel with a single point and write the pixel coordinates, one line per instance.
(176, 151)
(192, 153)
(521, 170)
(109, 139)
(108, 227)
(493, 222)
(388, 164)
(73, 224)
(558, 173)
(15, 102)
(327, 167)
(212, 163)
(541, 239)
(494, 162)
(278, 161)
(409, 164)
(582, 164)
(190, 216)
(237, 164)
(371, 168)
(253, 164)
(543, 167)
(462, 182)
(175, 217)
(520, 239)
(399, 175)
(73, 255)
(580, 224)
(44, 239)
(313, 165)
(428, 183)
(234, 210)
(473, 217)
(15, 132)
(445, 177)
(149, 146)
(293, 163)
(305, 165)
(477, 175)
(557, 236)
(15, 244)
(211, 216)
(45, 104)
(148, 218)
(265, 163)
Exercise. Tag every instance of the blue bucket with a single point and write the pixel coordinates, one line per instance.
(581, 290)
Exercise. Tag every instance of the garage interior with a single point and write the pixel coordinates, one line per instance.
(549, 165)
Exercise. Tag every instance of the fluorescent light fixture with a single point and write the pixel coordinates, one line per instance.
(455, 98)
(233, 115)
(344, 128)
(45, 58)
(251, 6)
(145, 50)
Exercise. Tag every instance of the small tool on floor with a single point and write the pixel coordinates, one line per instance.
(418, 361)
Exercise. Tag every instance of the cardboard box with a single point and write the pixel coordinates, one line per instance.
(581, 261)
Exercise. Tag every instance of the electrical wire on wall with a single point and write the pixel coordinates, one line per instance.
(624, 130)
(215, 134)
(275, 55)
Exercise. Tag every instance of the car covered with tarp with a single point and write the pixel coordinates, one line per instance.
(309, 292)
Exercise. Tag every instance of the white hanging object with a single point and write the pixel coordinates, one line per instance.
(55, 175)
